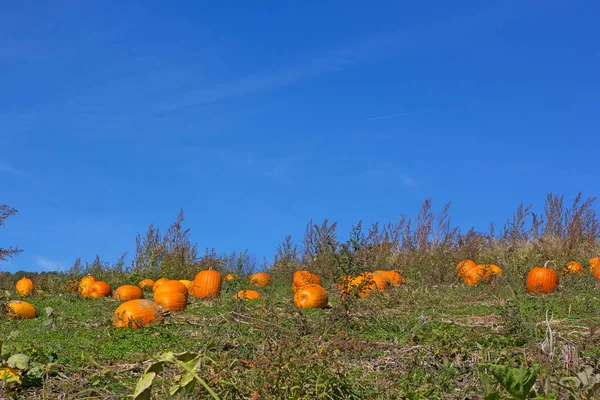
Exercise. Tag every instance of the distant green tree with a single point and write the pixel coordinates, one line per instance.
(5, 212)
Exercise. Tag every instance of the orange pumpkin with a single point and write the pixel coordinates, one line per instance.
(247, 295)
(207, 284)
(186, 282)
(16, 309)
(146, 284)
(542, 280)
(230, 277)
(311, 296)
(85, 284)
(393, 276)
(172, 301)
(463, 266)
(381, 281)
(99, 289)
(572, 267)
(260, 279)
(361, 285)
(595, 267)
(302, 278)
(136, 313)
(172, 286)
(128, 292)
(24, 286)
(158, 283)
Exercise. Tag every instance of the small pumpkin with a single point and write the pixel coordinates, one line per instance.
(146, 284)
(542, 280)
(16, 309)
(85, 284)
(463, 266)
(361, 285)
(260, 279)
(572, 267)
(207, 284)
(136, 313)
(394, 277)
(311, 296)
(99, 289)
(170, 300)
(128, 292)
(230, 277)
(172, 286)
(247, 295)
(595, 267)
(24, 286)
(158, 283)
(302, 278)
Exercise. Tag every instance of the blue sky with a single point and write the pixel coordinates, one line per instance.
(255, 119)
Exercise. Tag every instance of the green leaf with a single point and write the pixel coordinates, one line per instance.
(20, 361)
(517, 381)
(144, 386)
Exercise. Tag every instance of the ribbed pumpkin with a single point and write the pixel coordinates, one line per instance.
(260, 279)
(393, 276)
(136, 313)
(128, 292)
(24, 286)
(158, 283)
(595, 267)
(186, 282)
(230, 277)
(302, 278)
(207, 284)
(542, 280)
(247, 294)
(99, 289)
(172, 286)
(170, 300)
(85, 284)
(311, 296)
(463, 266)
(572, 267)
(17, 309)
(381, 281)
(146, 284)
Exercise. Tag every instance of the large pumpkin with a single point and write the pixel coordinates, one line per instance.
(394, 277)
(595, 267)
(16, 309)
(172, 286)
(463, 266)
(24, 286)
(247, 295)
(85, 284)
(136, 313)
(260, 279)
(158, 283)
(172, 301)
(207, 284)
(128, 292)
(311, 296)
(542, 280)
(572, 267)
(146, 284)
(302, 278)
(381, 281)
(99, 289)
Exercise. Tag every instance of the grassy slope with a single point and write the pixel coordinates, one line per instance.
(409, 342)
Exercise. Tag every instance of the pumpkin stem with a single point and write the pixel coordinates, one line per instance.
(549, 261)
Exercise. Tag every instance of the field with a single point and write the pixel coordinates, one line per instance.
(432, 337)
(412, 341)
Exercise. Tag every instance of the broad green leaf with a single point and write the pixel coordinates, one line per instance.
(20, 361)
(144, 386)
(517, 381)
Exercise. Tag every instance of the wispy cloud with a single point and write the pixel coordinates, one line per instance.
(389, 175)
(397, 115)
(48, 265)
(10, 170)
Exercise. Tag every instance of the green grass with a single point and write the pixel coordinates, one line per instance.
(409, 342)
